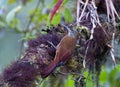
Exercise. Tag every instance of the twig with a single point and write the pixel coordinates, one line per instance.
(84, 61)
(29, 22)
(37, 6)
(78, 11)
(81, 75)
(112, 49)
(41, 82)
(95, 13)
(108, 10)
(83, 10)
(111, 11)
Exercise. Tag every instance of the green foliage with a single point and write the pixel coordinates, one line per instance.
(68, 16)
(62, 13)
(39, 16)
(56, 19)
(69, 82)
(110, 76)
(88, 79)
(65, 2)
(15, 24)
(28, 36)
(103, 77)
(11, 1)
(114, 77)
(2, 22)
(14, 1)
(55, 1)
(118, 24)
(11, 15)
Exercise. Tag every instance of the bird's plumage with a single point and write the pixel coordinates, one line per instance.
(63, 52)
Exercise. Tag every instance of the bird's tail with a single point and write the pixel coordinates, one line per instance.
(49, 69)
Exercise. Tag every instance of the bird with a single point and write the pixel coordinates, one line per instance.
(63, 51)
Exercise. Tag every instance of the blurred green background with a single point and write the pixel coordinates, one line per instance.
(14, 18)
(10, 42)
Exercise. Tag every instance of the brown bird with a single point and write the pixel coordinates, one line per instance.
(63, 51)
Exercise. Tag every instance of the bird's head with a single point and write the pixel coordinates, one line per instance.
(71, 31)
